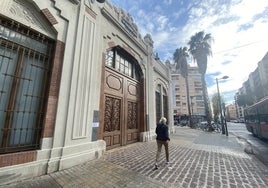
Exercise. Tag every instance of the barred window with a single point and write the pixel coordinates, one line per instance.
(25, 66)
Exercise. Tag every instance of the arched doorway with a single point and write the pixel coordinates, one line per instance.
(121, 105)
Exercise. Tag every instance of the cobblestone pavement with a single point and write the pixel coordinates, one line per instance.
(198, 159)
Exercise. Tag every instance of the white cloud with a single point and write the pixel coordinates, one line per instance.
(168, 2)
(162, 22)
(239, 29)
(236, 51)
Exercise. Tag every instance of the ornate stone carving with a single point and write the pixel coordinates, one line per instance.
(126, 19)
(148, 39)
(75, 1)
(26, 13)
(21, 10)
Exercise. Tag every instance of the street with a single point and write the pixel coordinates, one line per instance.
(257, 146)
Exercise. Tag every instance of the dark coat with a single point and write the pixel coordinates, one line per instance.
(162, 132)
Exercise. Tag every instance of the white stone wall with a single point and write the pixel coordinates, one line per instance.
(86, 30)
(80, 87)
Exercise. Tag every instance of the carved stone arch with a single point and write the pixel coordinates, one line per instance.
(26, 12)
(159, 81)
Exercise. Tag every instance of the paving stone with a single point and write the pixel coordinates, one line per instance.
(199, 159)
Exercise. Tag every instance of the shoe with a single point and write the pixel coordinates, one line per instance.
(155, 167)
(167, 163)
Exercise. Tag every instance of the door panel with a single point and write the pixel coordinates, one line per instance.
(132, 122)
(121, 110)
(112, 122)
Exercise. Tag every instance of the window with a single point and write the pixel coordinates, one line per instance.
(176, 77)
(200, 104)
(158, 106)
(178, 97)
(110, 58)
(122, 62)
(25, 68)
(199, 97)
(161, 102)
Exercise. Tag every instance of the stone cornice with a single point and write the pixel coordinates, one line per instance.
(77, 2)
(106, 13)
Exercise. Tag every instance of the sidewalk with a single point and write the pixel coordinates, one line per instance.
(198, 159)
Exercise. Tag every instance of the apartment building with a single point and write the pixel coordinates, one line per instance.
(180, 105)
(257, 81)
(256, 84)
(231, 112)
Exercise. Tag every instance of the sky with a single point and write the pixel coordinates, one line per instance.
(239, 29)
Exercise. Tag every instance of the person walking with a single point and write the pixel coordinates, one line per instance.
(162, 138)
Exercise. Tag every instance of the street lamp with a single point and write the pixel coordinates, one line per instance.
(224, 109)
(192, 104)
(219, 103)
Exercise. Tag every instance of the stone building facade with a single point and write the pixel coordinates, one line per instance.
(77, 79)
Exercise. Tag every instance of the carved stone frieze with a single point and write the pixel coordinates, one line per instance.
(26, 13)
(126, 20)
(75, 1)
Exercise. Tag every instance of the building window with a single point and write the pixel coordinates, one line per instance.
(161, 102)
(122, 62)
(25, 69)
(199, 97)
(200, 104)
(178, 97)
(158, 106)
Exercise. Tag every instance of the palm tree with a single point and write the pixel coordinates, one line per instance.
(180, 58)
(200, 49)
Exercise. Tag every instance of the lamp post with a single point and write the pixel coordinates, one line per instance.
(219, 103)
(225, 124)
(192, 104)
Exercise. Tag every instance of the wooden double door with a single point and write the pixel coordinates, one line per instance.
(121, 109)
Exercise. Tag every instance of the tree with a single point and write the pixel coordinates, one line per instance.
(180, 58)
(200, 49)
(215, 106)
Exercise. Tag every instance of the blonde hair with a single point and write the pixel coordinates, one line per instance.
(163, 120)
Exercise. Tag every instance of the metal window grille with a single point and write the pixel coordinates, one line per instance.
(25, 66)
